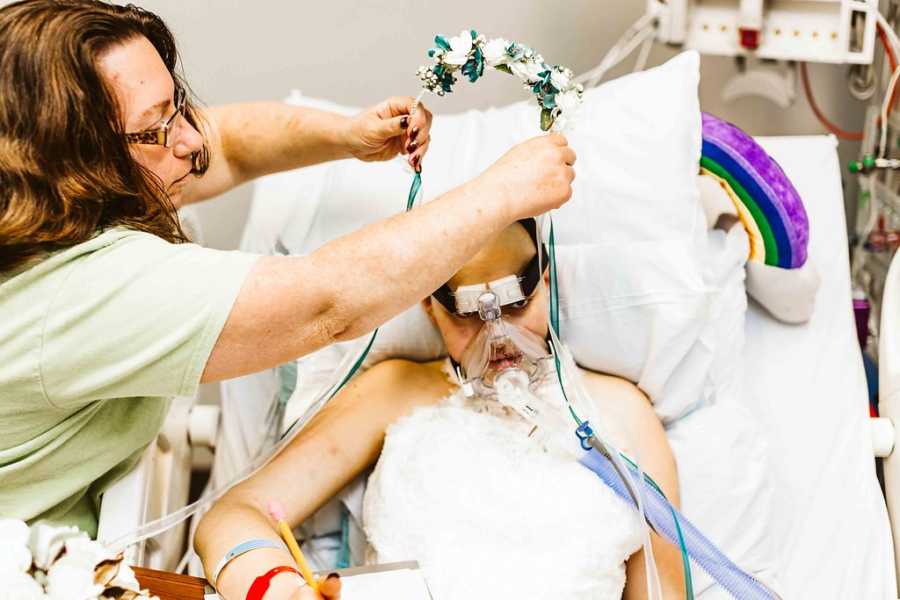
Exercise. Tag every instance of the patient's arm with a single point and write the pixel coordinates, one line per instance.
(343, 439)
(628, 411)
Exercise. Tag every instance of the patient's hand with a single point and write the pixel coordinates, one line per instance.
(329, 589)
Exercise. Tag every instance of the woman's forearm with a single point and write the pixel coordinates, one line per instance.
(250, 140)
(266, 137)
(290, 306)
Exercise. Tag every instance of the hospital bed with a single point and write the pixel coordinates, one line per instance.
(804, 383)
(807, 387)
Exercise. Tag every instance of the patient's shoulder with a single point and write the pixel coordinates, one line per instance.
(602, 383)
(423, 376)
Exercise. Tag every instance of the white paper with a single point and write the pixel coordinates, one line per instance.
(402, 584)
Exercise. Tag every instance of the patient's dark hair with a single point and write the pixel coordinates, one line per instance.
(66, 172)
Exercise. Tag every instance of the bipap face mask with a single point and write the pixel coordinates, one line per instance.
(500, 345)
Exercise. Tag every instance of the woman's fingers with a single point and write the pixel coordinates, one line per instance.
(330, 587)
(415, 159)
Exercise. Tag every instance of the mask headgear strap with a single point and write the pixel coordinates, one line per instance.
(529, 277)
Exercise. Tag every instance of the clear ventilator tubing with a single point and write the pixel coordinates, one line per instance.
(648, 542)
(740, 584)
(569, 378)
(579, 400)
(348, 366)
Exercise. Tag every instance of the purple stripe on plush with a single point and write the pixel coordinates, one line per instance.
(770, 177)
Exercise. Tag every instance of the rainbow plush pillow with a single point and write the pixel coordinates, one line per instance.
(767, 203)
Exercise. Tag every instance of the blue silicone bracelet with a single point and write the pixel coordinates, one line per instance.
(243, 548)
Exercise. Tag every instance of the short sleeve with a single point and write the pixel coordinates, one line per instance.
(137, 318)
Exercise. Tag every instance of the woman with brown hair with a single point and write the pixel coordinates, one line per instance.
(106, 312)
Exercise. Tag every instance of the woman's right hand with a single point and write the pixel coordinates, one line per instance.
(532, 177)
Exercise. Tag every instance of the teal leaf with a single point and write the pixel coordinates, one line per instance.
(439, 70)
(549, 101)
(432, 52)
(474, 34)
(441, 42)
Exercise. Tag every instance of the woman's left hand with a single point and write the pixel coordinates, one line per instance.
(388, 129)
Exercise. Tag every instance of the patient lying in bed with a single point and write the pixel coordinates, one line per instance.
(490, 508)
(484, 502)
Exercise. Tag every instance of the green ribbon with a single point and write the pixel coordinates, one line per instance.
(414, 191)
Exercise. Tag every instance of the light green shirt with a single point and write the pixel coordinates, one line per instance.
(94, 341)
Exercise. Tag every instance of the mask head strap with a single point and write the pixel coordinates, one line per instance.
(528, 279)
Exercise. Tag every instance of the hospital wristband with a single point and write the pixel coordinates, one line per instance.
(260, 585)
(243, 548)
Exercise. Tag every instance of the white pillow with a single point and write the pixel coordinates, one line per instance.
(633, 231)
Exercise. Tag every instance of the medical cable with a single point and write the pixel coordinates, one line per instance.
(888, 49)
(658, 512)
(891, 44)
(722, 569)
(566, 365)
(885, 106)
(838, 131)
(641, 63)
(642, 29)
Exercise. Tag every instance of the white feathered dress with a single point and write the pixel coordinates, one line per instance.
(490, 513)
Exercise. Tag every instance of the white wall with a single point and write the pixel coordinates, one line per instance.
(358, 52)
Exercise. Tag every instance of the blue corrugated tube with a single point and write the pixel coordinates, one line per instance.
(661, 515)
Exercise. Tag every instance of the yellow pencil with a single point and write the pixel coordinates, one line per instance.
(277, 512)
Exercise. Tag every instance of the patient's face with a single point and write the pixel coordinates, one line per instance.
(458, 332)
(507, 254)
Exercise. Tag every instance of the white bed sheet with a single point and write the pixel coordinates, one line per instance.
(806, 386)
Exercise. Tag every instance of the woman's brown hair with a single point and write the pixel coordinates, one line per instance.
(66, 172)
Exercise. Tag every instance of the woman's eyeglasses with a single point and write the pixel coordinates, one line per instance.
(163, 135)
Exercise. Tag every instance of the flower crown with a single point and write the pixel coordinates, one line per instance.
(556, 93)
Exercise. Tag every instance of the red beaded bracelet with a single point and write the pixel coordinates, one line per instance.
(261, 584)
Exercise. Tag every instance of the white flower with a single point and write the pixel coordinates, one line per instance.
(495, 52)
(70, 579)
(568, 101)
(527, 70)
(87, 552)
(125, 579)
(20, 586)
(560, 79)
(46, 542)
(14, 531)
(14, 557)
(460, 46)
